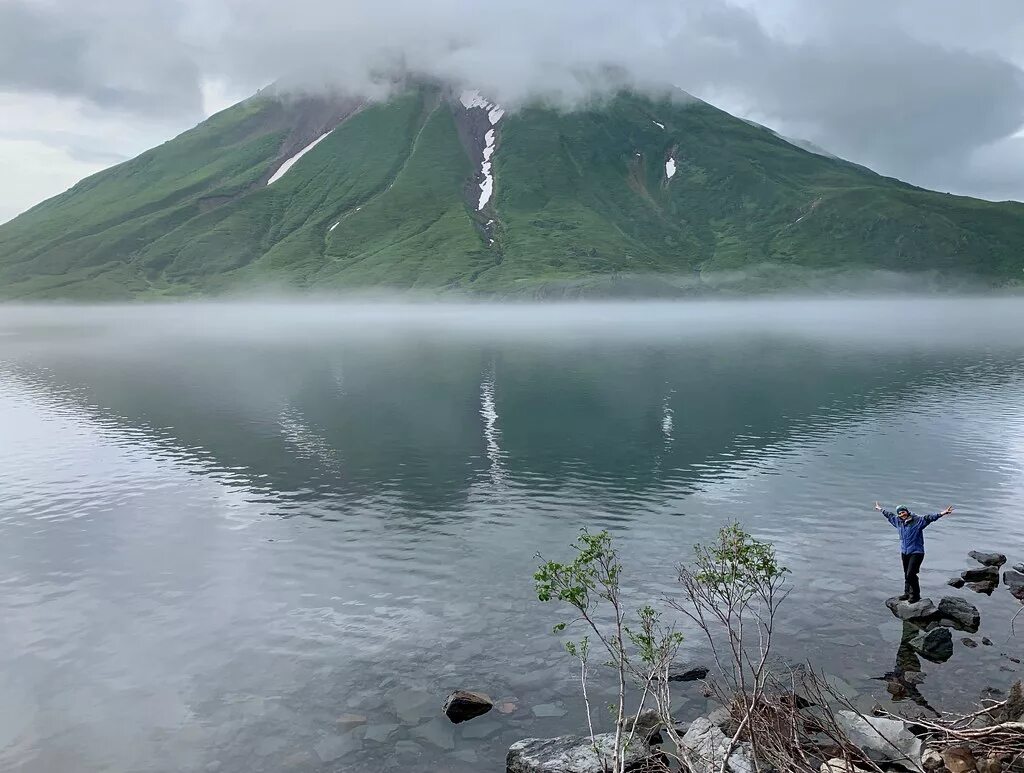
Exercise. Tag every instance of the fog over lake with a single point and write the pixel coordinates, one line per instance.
(226, 526)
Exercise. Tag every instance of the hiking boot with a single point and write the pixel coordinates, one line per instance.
(913, 599)
(904, 597)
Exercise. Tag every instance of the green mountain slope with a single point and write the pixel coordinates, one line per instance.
(389, 197)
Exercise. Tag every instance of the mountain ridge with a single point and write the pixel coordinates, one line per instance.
(441, 190)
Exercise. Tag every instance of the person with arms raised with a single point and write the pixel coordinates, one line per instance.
(911, 528)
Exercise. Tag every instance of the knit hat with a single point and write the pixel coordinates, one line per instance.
(902, 509)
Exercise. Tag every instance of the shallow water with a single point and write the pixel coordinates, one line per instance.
(224, 528)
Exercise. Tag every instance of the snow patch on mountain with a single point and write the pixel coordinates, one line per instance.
(281, 170)
(487, 186)
(670, 168)
(472, 99)
(333, 226)
(659, 125)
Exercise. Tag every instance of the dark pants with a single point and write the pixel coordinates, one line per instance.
(911, 566)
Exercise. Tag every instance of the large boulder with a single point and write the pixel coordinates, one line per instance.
(959, 614)
(920, 612)
(462, 705)
(935, 645)
(705, 746)
(988, 559)
(981, 574)
(1014, 580)
(576, 754)
(882, 739)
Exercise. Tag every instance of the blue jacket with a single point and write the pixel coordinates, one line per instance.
(911, 532)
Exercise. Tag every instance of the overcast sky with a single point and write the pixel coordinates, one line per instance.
(931, 91)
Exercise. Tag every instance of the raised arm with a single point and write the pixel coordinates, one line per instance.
(936, 516)
(889, 516)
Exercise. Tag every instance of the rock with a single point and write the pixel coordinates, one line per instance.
(986, 587)
(962, 614)
(956, 582)
(988, 559)
(436, 732)
(986, 641)
(1014, 708)
(931, 760)
(333, 747)
(686, 672)
(506, 706)
(463, 705)
(936, 645)
(379, 733)
(704, 747)
(838, 765)
(984, 574)
(959, 759)
(349, 721)
(574, 754)
(969, 642)
(1018, 568)
(478, 731)
(920, 611)
(881, 739)
(721, 718)
(648, 726)
(547, 711)
(1014, 580)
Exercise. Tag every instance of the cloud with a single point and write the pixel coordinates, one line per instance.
(928, 90)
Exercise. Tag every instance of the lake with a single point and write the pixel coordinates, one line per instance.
(273, 537)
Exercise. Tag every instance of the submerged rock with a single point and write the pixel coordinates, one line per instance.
(985, 587)
(686, 672)
(1014, 580)
(882, 739)
(935, 645)
(463, 705)
(576, 754)
(982, 574)
(962, 614)
(969, 642)
(988, 559)
(704, 747)
(918, 612)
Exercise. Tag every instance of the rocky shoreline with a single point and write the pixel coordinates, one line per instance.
(842, 735)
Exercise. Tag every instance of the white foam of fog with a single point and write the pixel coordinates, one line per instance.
(884, 322)
(283, 169)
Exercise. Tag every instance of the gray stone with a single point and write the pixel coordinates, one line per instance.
(1014, 580)
(956, 582)
(963, 615)
(480, 730)
(333, 747)
(412, 706)
(437, 732)
(931, 760)
(936, 645)
(918, 612)
(704, 748)
(988, 559)
(986, 587)
(548, 711)
(837, 765)
(574, 754)
(982, 574)
(969, 642)
(380, 733)
(882, 739)
(1018, 568)
(686, 672)
(463, 705)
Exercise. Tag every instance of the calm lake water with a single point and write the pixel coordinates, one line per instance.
(224, 528)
